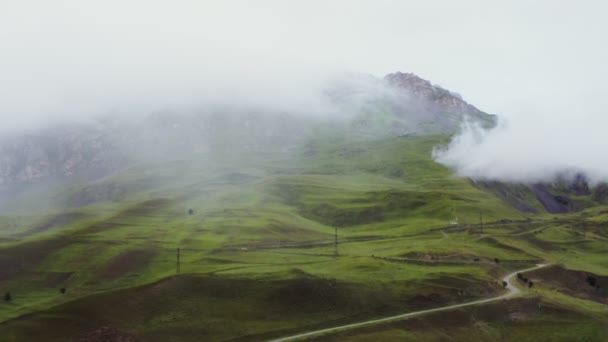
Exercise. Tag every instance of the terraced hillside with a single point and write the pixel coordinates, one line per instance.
(258, 258)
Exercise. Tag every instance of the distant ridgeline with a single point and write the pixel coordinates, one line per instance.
(400, 104)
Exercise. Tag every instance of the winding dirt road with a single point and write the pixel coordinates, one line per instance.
(512, 291)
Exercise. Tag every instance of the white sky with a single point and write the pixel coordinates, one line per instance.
(498, 54)
(519, 59)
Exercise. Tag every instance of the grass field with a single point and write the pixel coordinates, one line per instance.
(258, 259)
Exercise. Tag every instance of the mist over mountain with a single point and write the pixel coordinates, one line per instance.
(271, 170)
(357, 104)
(531, 148)
(70, 61)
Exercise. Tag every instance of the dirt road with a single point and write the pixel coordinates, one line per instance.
(512, 291)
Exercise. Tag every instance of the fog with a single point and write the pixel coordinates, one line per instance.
(532, 148)
(539, 65)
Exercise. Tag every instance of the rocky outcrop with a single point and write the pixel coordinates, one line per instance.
(600, 193)
(559, 197)
(58, 152)
(515, 195)
(444, 99)
(441, 105)
(554, 203)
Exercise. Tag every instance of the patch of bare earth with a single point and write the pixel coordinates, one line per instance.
(56, 221)
(127, 262)
(108, 334)
(490, 322)
(578, 284)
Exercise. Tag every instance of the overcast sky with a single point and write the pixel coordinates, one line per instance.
(500, 55)
(520, 59)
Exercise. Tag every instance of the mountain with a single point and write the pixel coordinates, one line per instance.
(403, 104)
(250, 225)
(398, 104)
(438, 105)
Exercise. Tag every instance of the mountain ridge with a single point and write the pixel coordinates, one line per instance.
(415, 106)
(436, 99)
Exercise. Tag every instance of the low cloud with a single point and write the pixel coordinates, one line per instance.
(539, 146)
(77, 59)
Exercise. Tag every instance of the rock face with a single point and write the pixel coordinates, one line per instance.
(57, 152)
(517, 196)
(442, 105)
(554, 203)
(559, 197)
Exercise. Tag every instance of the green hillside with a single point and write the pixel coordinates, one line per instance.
(257, 253)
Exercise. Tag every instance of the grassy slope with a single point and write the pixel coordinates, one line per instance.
(265, 221)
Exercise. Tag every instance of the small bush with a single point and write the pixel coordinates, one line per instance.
(8, 297)
(592, 281)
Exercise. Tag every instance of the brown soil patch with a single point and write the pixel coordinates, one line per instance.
(146, 208)
(57, 278)
(211, 308)
(445, 257)
(108, 334)
(14, 260)
(573, 283)
(343, 217)
(447, 290)
(56, 221)
(127, 262)
(149, 208)
(465, 324)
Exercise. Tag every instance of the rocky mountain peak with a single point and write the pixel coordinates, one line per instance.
(412, 106)
(442, 99)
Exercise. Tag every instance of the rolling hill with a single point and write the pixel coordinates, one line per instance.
(248, 226)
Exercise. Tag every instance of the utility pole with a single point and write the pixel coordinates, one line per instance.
(336, 242)
(178, 263)
(481, 221)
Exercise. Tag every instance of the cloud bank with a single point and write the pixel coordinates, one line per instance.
(532, 148)
(71, 58)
